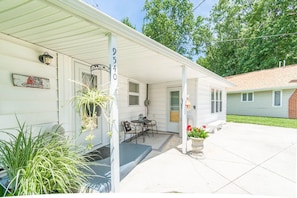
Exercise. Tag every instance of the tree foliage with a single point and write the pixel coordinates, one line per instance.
(127, 22)
(171, 23)
(244, 36)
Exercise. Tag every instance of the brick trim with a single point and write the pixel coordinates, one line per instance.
(293, 105)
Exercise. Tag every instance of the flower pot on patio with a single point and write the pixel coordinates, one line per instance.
(197, 144)
(197, 136)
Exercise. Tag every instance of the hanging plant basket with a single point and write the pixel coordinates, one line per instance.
(92, 108)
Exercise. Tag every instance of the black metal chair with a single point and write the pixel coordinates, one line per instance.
(151, 125)
(133, 130)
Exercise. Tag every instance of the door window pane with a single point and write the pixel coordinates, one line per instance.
(174, 106)
(174, 100)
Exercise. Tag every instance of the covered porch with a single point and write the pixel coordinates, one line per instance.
(75, 33)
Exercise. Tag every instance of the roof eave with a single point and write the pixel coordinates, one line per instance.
(263, 89)
(90, 13)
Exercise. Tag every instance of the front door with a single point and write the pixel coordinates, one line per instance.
(174, 98)
(82, 75)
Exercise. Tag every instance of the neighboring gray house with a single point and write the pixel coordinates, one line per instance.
(270, 92)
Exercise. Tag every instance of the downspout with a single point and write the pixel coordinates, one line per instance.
(147, 102)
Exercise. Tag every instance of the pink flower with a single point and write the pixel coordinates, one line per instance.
(204, 126)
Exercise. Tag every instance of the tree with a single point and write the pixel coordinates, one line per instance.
(250, 35)
(127, 22)
(171, 23)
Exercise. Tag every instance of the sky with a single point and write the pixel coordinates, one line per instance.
(119, 9)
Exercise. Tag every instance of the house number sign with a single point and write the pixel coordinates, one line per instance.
(114, 65)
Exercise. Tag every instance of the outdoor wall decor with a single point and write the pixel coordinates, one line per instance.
(30, 81)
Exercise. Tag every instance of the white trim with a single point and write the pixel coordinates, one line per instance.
(219, 108)
(241, 97)
(184, 110)
(114, 115)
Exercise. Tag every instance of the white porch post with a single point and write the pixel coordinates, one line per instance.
(183, 110)
(114, 117)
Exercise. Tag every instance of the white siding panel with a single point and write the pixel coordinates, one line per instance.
(126, 111)
(204, 115)
(31, 105)
(158, 107)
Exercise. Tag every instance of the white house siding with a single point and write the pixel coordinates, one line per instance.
(126, 111)
(158, 96)
(204, 115)
(261, 106)
(199, 95)
(38, 107)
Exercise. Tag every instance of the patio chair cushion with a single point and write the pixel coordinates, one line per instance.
(127, 126)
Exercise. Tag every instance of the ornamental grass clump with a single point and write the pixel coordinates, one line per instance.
(43, 164)
(196, 132)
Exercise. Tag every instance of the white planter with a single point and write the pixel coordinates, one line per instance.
(197, 144)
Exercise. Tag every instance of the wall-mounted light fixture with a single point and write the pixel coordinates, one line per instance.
(46, 58)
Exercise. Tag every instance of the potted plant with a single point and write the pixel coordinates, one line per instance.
(90, 103)
(43, 164)
(197, 135)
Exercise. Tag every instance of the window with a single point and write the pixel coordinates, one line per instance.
(277, 98)
(216, 101)
(133, 93)
(212, 100)
(247, 97)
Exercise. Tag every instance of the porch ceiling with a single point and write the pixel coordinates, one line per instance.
(80, 31)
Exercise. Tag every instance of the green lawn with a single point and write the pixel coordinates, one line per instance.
(280, 122)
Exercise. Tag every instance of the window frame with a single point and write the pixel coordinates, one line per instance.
(133, 93)
(247, 97)
(280, 98)
(216, 100)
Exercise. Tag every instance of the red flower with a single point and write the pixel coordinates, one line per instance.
(189, 128)
(204, 126)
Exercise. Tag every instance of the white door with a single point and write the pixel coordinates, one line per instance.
(82, 74)
(174, 98)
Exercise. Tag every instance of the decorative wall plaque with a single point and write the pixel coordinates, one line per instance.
(30, 81)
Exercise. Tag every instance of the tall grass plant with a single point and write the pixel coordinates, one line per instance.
(42, 164)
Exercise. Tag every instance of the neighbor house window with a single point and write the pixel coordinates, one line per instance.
(277, 98)
(133, 93)
(247, 97)
(216, 101)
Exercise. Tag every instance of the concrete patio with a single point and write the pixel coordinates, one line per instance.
(240, 159)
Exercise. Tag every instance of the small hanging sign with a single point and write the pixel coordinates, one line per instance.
(30, 81)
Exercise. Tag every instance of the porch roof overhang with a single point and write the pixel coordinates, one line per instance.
(80, 31)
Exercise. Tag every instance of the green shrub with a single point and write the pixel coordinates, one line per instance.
(42, 164)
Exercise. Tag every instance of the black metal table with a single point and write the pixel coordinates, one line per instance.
(143, 125)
